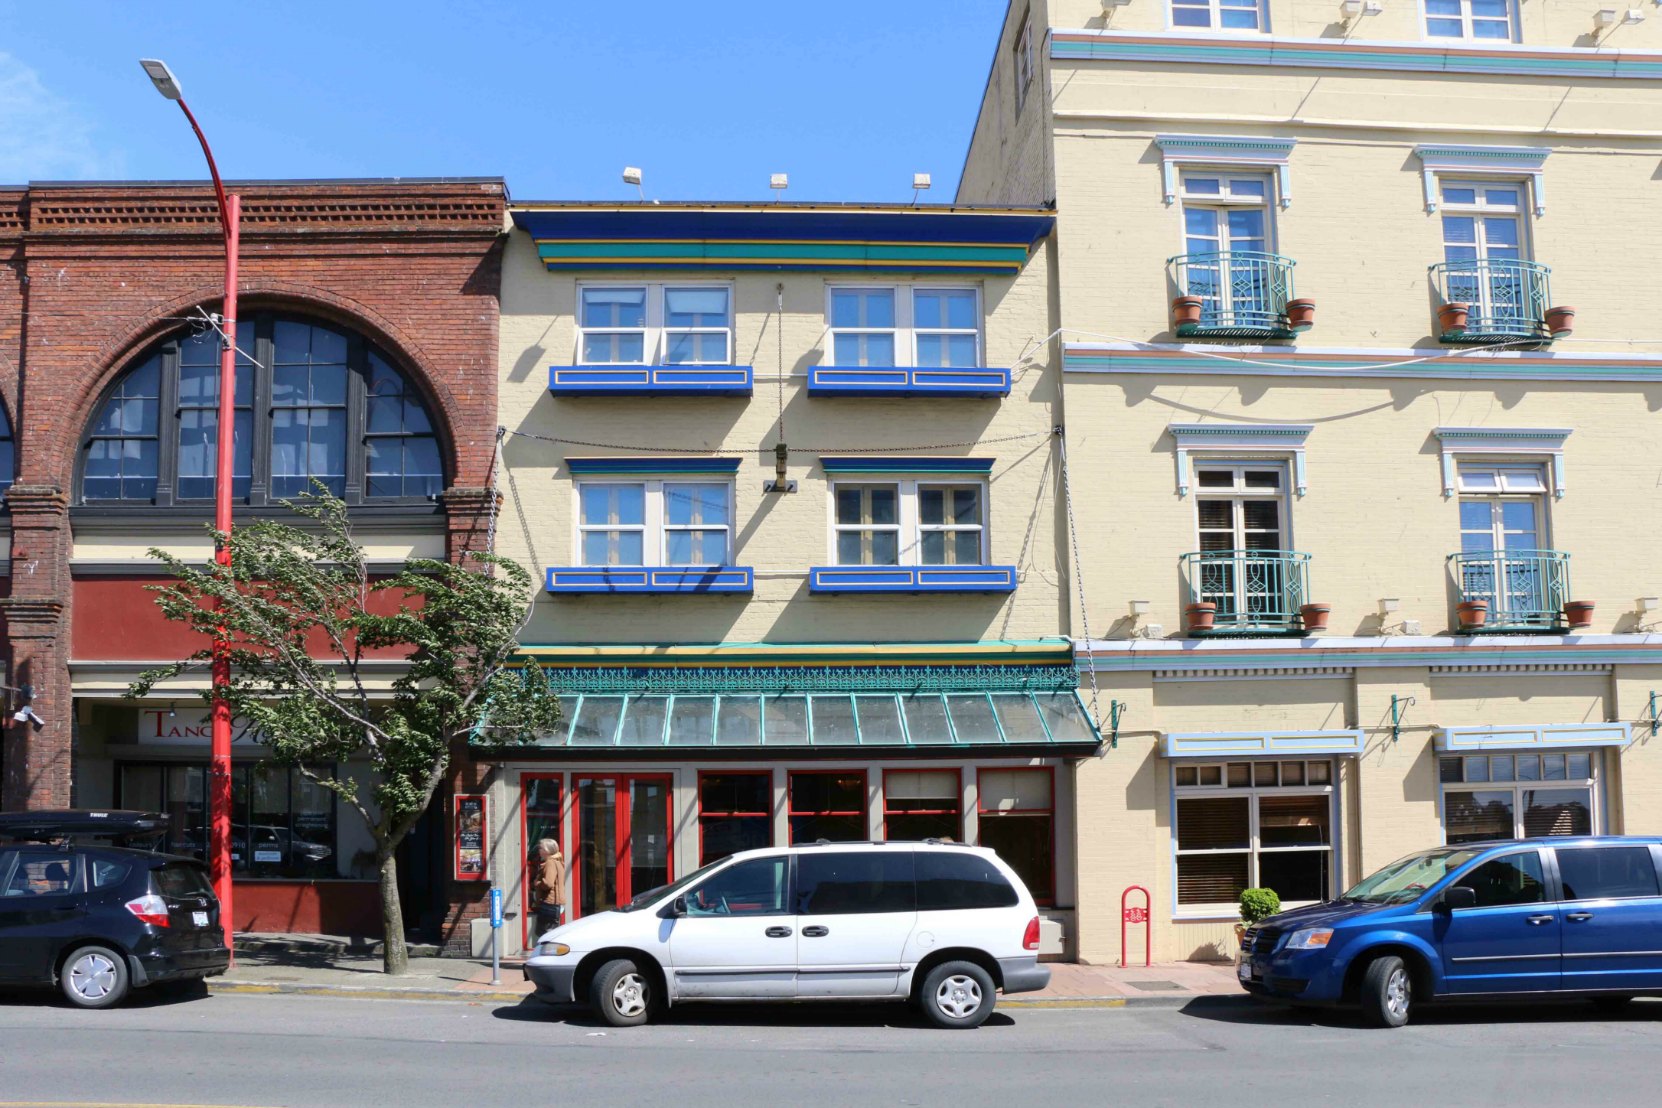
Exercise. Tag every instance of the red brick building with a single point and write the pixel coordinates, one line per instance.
(369, 314)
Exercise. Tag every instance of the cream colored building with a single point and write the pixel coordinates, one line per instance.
(1437, 178)
(789, 474)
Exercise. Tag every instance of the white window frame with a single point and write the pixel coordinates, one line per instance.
(1511, 483)
(1215, 17)
(1239, 492)
(908, 519)
(1224, 200)
(1480, 208)
(1592, 783)
(1466, 22)
(654, 529)
(656, 333)
(904, 330)
(1253, 792)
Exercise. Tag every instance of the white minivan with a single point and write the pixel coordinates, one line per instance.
(942, 925)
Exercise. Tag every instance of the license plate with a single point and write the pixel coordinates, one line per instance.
(1245, 971)
(200, 919)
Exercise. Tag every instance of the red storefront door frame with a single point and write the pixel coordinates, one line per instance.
(528, 909)
(622, 831)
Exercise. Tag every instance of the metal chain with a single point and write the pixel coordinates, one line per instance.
(524, 524)
(495, 494)
(1079, 576)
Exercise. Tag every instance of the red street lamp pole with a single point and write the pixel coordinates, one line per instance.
(219, 777)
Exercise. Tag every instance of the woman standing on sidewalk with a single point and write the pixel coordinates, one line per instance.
(548, 886)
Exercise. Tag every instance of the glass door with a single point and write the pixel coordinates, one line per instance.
(623, 839)
(539, 818)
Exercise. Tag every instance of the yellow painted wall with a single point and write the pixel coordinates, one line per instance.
(782, 535)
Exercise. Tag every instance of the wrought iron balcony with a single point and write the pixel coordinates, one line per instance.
(1524, 590)
(1503, 300)
(1256, 592)
(1242, 294)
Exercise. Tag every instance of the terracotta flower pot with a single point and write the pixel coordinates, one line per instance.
(1301, 315)
(1473, 613)
(1186, 309)
(1452, 316)
(1560, 321)
(1579, 613)
(1315, 616)
(1201, 616)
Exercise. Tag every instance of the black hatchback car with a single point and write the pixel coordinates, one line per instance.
(85, 907)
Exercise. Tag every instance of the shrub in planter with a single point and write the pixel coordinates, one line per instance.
(1258, 904)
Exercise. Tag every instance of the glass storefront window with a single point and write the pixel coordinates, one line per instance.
(1017, 818)
(1262, 823)
(282, 825)
(735, 812)
(1517, 796)
(922, 804)
(829, 805)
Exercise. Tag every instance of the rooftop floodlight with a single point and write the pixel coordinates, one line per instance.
(779, 181)
(1632, 16)
(1604, 17)
(161, 77)
(632, 175)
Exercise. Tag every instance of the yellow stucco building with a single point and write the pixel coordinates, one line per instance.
(1360, 404)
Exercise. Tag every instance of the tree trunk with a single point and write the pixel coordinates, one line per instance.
(395, 957)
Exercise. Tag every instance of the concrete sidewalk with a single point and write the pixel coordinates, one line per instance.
(270, 968)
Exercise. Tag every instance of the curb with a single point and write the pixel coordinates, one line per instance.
(393, 992)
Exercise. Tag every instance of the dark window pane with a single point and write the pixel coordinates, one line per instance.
(105, 873)
(950, 879)
(1557, 812)
(1514, 879)
(1472, 817)
(832, 829)
(181, 879)
(1617, 872)
(1293, 821)
(917, 826)
(42, 873)
(1026, 843)
(1214, 823)
(831, 884)
(1295, 874)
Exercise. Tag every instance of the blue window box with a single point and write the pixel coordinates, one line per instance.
(830, 380)
(839, 579)
(651, 380)
(650, 579)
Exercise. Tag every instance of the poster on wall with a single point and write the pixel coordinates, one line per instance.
(469, 822)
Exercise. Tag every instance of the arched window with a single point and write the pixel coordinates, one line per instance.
(313, 401)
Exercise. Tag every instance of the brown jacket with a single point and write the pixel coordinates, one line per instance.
(549, 884)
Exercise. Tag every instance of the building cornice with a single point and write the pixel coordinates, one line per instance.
(1464, 59)
(1381, 363)
(1445, 655)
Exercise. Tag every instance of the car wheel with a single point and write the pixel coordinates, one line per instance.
(957, 994)
(1387, 992)
(94, 977)
(621, 993)
(1611, 1004)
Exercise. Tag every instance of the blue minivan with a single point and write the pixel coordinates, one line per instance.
(1526, 917)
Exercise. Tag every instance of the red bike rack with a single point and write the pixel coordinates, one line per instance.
(1130, 914)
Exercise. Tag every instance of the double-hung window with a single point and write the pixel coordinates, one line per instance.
(1258, 824)
(1483, 20)
(881, 325)
(655, 325)
(1219, 15)
(1517, 796)
(1022, 55)
(656, 523)
(909, 523)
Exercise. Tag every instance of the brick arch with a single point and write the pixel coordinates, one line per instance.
(117, 354)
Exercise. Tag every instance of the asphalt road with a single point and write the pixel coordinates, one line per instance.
(293, 1050)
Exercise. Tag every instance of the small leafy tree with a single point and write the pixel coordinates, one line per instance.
(295, 604)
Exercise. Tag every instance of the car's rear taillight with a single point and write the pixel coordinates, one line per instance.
(1029, 939)
(150, 909)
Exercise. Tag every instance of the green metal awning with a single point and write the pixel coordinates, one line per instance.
(1052, 719)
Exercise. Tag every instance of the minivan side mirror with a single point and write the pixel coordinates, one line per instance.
(674, 909)
(1458, 896)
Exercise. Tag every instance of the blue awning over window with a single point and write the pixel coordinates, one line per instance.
(1052, 719)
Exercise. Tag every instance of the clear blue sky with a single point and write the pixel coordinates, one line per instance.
(850, 97)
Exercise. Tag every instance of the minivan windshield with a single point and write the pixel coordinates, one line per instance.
(652, 896)
(1406, 878)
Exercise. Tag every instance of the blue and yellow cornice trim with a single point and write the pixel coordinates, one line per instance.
(627, 466)
(1055, 652)
(869, 463)
(1305, 53)
(1355, 364)
(959, 241)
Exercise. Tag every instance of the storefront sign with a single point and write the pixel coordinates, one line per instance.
(468, 825)
(185, 727)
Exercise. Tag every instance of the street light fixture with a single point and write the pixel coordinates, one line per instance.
(219, 778)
